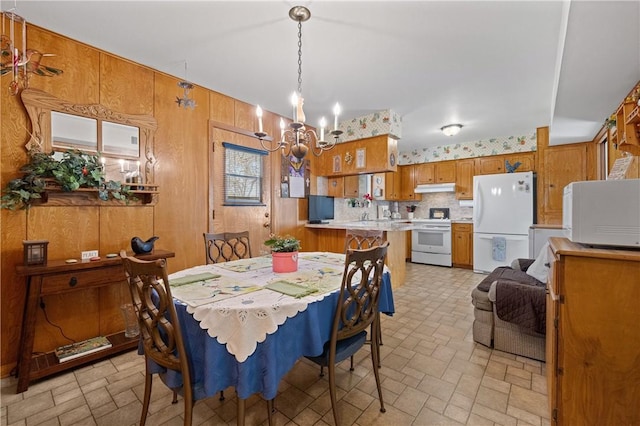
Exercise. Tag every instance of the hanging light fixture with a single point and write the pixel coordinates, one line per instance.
(451, 129)
(297, 139)
(185, 101)
(14, 60)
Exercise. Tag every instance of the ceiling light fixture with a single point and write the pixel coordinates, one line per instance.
(297, 139)
(185, 101)
(451, 129)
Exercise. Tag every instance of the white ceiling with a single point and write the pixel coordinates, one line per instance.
(500, 68)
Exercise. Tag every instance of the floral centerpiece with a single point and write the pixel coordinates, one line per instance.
(284, 252)
(410, 209)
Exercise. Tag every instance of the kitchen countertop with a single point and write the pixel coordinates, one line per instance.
(388, 225)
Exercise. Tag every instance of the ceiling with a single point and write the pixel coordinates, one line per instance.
(500, 68)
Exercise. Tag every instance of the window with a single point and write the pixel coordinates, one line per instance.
(243, 171)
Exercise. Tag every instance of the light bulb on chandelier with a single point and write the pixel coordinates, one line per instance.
(297, 139)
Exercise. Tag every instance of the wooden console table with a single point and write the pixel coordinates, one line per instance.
(59, 277)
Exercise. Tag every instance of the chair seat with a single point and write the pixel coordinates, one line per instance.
(344, 349)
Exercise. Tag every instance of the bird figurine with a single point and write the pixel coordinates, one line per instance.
(142, 247)
(511, 167)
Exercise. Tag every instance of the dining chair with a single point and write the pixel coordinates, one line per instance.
(358, 239)
(160, 330)
(356, 311)
(226, 246)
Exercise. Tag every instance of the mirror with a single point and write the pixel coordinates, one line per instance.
(58, 125)
(73, 131)
(120, 140)
(364, 185)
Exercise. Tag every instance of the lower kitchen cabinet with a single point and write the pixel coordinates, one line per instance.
(593, 342)
(462, 245)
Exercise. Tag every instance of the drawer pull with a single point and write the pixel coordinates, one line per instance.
(547, 265)
(73, 282)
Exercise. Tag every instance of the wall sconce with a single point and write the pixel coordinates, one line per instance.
(35, 252)
(451, 129)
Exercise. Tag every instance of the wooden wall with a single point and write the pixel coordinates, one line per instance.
(180, 216)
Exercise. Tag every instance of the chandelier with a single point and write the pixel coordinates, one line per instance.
(297, 139)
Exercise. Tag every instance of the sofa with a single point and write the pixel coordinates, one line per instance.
(510, 308)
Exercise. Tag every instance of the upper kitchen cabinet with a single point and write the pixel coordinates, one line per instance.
(464, 179)
(363, 156)
(437, 172)
(392, 185)
(408, 183)
(336, 187)
(501, 163)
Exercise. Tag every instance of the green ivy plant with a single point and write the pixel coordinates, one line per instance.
(74, 171)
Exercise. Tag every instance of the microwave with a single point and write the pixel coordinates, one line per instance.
(602, 212)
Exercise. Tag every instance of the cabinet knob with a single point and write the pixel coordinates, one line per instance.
(73, 282)
(547, 265)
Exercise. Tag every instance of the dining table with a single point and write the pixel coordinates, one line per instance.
(245, 326)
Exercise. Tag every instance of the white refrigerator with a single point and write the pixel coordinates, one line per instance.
(503, 211)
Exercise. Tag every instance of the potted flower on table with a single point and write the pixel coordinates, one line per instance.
(284, 252)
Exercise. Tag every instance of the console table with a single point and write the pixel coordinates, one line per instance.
(58, 277)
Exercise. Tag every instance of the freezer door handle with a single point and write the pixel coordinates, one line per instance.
(477, 199)
(507, 237)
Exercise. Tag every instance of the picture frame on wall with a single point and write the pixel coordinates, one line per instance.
(361, 160)
(337, 164)
(284, 190)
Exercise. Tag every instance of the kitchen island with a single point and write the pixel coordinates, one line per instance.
(330, 237)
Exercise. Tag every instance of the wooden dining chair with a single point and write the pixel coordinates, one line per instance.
(160, 331)
(358, 239)
(356, 311)
(226, 246)
(161, 335)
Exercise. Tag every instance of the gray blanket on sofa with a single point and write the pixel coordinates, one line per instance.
(522, 304)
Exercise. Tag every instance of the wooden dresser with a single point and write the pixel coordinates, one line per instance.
(593, 335)
(58, 277)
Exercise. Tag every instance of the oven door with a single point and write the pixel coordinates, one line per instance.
(432, 239)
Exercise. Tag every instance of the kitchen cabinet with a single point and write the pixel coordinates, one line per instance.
(562, 165)
(464, 179)
(380, 154)
(497, 163)
(592, 338)
(462, 245)
(392, 185)
(336, 187)
(352, 187)
(408, 183)
(436, 172)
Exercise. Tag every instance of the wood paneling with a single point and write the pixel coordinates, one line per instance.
(127, 87)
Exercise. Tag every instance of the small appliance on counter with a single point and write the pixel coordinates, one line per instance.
(439, 213)
(395, 214)
(383, 212)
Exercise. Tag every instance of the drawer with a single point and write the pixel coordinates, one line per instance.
(463, 227)
(82, 279)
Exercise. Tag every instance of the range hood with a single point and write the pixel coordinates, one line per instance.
(435, 187)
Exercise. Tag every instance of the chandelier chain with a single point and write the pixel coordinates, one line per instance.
(300, 57)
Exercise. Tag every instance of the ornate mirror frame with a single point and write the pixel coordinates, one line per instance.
(40, 104)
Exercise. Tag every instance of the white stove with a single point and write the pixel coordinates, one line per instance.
(431, 242)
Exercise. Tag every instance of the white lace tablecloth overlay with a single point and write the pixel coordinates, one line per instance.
(242, 321)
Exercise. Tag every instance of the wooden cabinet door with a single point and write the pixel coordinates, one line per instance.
(445, 171)
(352, 186)
(551, 343)
(392, 184)
(489, 165)
(425, 173)
(462, 245)
(464, 179)
(336, 187)
(526, 160)
(408, 183)
(562, 165)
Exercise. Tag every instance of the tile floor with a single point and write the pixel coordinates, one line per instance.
(433, 374)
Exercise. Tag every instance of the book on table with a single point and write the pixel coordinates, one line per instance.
(79, 349)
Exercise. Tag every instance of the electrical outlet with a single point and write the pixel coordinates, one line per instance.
(86, 255)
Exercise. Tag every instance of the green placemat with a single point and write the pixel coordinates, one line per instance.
(290, 289)
(188, 279)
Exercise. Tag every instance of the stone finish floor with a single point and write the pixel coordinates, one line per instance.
(432, 374)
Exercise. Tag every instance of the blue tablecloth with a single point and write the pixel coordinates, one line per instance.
(214, 369)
